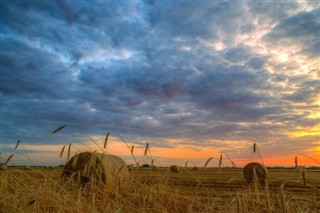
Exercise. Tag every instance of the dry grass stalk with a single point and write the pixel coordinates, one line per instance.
(9, 158)
(102, 170)
(106, 140)
(304, 178)
(174, 169)
(132, 148)
(205, 165)
(233, 164)
(146, 150)
(69, 151)
(165, 178)
(296, 161)
(17, 144)
(239, 204)
(58, 129)
(256, 149)
(220, 162)
(266, 190)
(253, 168)
(311, 158)
(256, 183)
(186, 164)
(283, 199)
(61, 153)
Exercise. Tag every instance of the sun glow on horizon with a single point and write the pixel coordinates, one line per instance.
(303, 132)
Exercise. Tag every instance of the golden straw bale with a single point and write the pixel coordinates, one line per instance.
(195, 168)
(174, 168)
(261, 172)
(3, 166)
(103, 170)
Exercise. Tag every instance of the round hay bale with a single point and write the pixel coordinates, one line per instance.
(174, 168)
(102, 170)
(3, 166)
(261, 172)
(195, 168)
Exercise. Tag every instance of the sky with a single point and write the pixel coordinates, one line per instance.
(193, 79)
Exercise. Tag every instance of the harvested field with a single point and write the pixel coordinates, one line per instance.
(203, 190)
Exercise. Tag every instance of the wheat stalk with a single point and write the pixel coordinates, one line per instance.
(9, 158)
(61, 153)
(220, 161)
(267, 198)
(106, 140)
(255, 181)
(58, 129)
(69, 150)
(17, 144)
(283, 199)
(233, 164)
(146, 150)
(256, 149)
(239, 203)
(310, 158)
(186, 164)
(304, 179)
(205, 165)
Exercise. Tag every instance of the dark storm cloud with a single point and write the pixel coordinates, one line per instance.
(146, 69)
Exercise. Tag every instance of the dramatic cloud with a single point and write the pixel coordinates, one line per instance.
(197, 75)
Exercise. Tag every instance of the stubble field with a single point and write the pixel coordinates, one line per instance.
(39, 189)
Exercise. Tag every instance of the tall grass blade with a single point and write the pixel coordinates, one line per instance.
(266, 190)
(239, 203)
(310, 158)
(106, 140)
(58, 129)
(220, 161)
(69, 150)
(146, 150)
(255, 181)
(132, 148)
(254, 148)
(61, 153)
(9, 158)
(283, 200)
(304, 178)
(17, 144)
(296, 161)
(233, 164)
(186, 164)
(208, 161)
